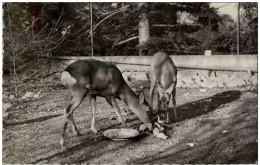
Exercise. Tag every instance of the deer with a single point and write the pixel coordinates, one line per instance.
(91, 78)
(163, 76)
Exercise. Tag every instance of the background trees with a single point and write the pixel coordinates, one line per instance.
(64, 28)
(249, 33)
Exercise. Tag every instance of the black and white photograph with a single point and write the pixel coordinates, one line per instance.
(129, 82)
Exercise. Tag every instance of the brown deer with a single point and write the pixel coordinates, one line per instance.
(94, 78)
(163, 75)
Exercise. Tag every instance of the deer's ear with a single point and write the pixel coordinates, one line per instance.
(159, 88)
(170, 89)
(141, 98)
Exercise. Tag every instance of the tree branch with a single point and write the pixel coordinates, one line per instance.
(127, 40)
(63, 38)
(110, 15)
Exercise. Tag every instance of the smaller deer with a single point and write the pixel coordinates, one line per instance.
(94, 78)
(163, 74)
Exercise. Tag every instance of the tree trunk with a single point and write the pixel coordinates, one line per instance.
(144, 29)
(13, 56)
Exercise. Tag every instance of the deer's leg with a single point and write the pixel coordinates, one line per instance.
(77, 97)
(117, 110)
(151, 90)
(75, 129)
(93, 109)
(71, 119)
(174, 104)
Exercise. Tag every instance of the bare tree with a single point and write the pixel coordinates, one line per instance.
(144, 28)
(23, 47)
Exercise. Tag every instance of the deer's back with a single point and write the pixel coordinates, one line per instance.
(101, 78)
(163, 69)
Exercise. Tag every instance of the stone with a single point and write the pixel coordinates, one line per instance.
(180, 83)
(190, 72)
(197, 80)
(253, 80)
(241, 82)
(187, 80)
(236, 82)
(139, 76)
(189, 83)
(223, 73)
(125, 76)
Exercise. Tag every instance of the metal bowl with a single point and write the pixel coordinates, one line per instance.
(121, 133)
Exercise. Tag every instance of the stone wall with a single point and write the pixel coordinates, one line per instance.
(201, 78)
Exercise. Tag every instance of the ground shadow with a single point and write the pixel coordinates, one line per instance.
(238, 146)
(71, 149)
(89, 146)
(39, 119)
(185, 111)
(203, 106)
(192, 109)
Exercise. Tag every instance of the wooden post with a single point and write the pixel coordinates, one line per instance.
(125, 48)
(91, 32)
(123, 5)
(238, 27)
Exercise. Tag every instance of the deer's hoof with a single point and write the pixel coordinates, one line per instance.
(124, 125)
(77, 134)
(62, 144)
(94, 130)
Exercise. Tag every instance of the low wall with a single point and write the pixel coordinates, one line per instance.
(214, 62)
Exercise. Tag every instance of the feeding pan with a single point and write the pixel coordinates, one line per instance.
(121, 133)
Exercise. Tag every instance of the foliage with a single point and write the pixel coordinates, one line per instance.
(225, 41)
(24, 42)
(114, 24)
(249, 28)
(178, 31)
(249, 10)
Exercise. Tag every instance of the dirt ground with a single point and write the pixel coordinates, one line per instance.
(216, 126)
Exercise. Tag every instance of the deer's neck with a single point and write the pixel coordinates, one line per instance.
(129, 97)
(132, 100)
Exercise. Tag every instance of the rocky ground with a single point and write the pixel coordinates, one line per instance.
(216, 125)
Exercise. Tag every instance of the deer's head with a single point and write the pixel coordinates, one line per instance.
(164, 96)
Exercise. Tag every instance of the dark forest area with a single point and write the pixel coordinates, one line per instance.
(63, 29)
